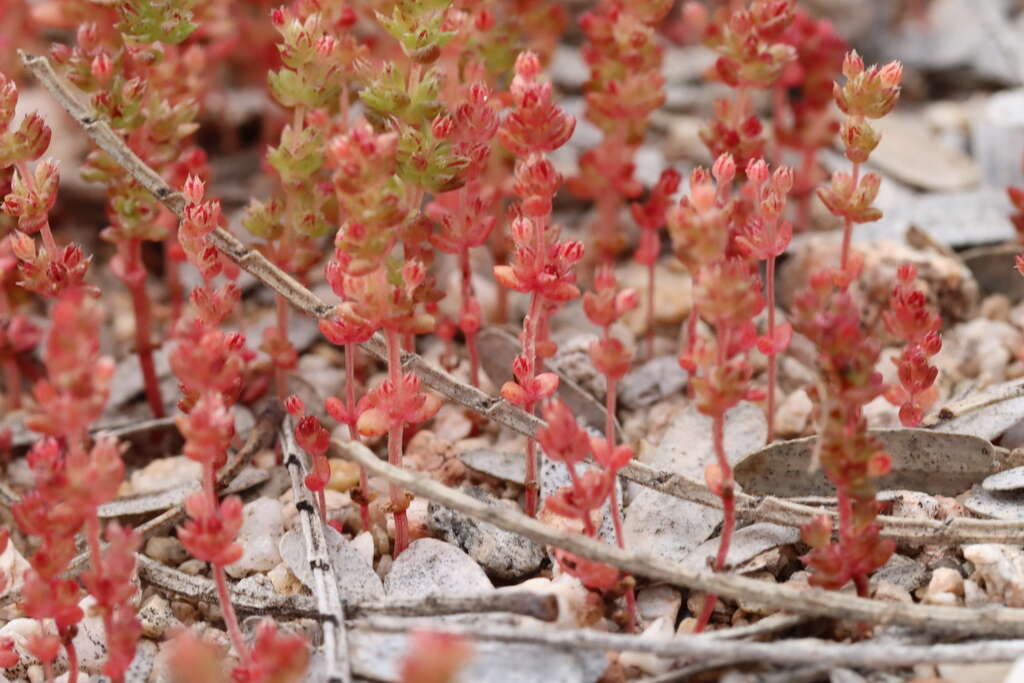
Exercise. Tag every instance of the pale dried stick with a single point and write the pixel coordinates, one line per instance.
(325, 576)
(175, 583)
(873, 654)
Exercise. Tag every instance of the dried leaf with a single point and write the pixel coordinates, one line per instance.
(498, 348)
(922, 460)
(993, 268)
(986, 413)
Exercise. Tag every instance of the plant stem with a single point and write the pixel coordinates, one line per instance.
(69, 648)
(845, 507)
(530, 325)
(848, 223)
(727, 495)
(281, 374)
(810, 161)
(620, 538)
(172, 277)
(228, 611)
(12, 380)
(136, 282)
(773, 357)
(398, 499)
(350, 408)
(468, 297)
(650, 310)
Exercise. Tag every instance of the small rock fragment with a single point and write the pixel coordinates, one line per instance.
(262, 528)
(659, 602)
(344, 475)
(1001, 570)
(166, 473)
(889, 591)
(793, 414)
(504, 555)
(651, 382)
(432, 567)
(156, 617)
(166, 549)
(945, 587)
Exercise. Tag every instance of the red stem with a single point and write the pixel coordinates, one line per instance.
(773, 357)
(468, 296)
(12, 380)
(172, 277)
(281, 374)
(350, 407)
(845, 505)
(810, 161)
(530, 326)
(228, 611)
(620, 538)
(727, 495)
(136, 283)
(30, 182)
(398, 500)
(848, 223)
(650, 310)
(69, 648)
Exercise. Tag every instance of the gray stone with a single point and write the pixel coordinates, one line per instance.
(1007, 505)
(505, 556)
(687, 449)
(667, 526)
(1009, 480)
(357, 582)
(746, 543)
(902, 571)
(432, 567)
(510, 467)
(651, 382)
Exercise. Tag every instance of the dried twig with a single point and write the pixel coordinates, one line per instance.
(954, 531)
(175, 583)
(996, 621)
(325, 578)
(870, 654)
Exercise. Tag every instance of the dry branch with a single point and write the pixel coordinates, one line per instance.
(996, 621)
(175, 583)
(867, 654)
(325, 577)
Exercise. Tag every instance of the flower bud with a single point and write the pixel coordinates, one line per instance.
(527, 65)
(782, 179)
(724, 169)
(853, 65)
(102, 68)
(442, 126)
(757, 172)
(295, 406)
